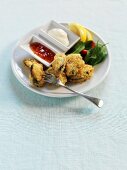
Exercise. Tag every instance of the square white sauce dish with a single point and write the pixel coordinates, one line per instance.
(58, 35)
(39, 49)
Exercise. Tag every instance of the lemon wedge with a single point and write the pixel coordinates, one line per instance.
(89, 36)
(79, 30)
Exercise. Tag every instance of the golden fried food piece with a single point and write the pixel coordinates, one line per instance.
(76, 69)
(37, 74)
(29, 61)
(75, 58)
(83, 74)
(67, 68)
(58, 66)
(59, 62)
(50, 70)
(59, 74)
(87, 71)
(74, 63)
(62, 77)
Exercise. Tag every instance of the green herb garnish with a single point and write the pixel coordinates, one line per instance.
(96, 55)
(89, 45)
(77, 48)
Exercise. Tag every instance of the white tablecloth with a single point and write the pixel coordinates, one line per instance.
(40, 133)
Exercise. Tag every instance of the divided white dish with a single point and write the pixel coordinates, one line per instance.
(48, 41)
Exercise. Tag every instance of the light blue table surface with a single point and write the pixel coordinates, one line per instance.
(41, 133)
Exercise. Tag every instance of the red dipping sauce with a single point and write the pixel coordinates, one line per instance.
(42, 51)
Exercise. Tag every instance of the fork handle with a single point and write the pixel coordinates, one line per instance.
(98, 102)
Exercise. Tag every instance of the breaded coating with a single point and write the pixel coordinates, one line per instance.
(29, 61)
(67, 68)
(72, 57)
(36, 74)
(59, 62)
(62, 77)
(87, 71)
(76, 69)
(50, 70)
(74, 63)
(59, 74)
(58, 66)
(83, 74)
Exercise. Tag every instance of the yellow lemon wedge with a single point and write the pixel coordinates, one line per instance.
(79, 30)
(89, 36)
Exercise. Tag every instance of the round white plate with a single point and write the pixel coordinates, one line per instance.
(21, 72)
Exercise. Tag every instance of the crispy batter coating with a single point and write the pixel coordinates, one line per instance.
(75, 58)
(62, 77)
(28, 62)
(58, 67)
(59, 62)
(77, 70)
(67, 68)
(74, 63)
(37, 73)
(59, 74)
(83, 74)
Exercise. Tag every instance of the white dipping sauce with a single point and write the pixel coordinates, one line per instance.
(59, 35)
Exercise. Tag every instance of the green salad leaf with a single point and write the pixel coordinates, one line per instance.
(96, 55)
(77, 48)
(89, 44)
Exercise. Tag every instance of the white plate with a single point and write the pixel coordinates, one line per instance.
(21, 72)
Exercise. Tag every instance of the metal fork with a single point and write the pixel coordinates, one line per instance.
(50, 78)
